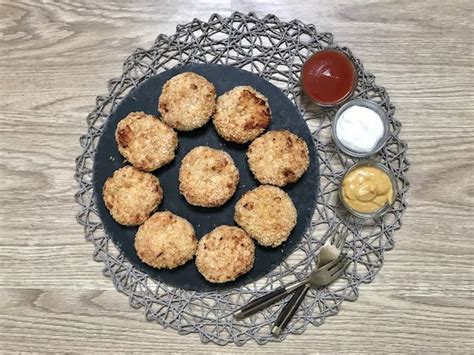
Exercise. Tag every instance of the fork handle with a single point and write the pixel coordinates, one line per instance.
(266, 300)
(289, 311)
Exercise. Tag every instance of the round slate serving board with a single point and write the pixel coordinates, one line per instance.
(145, 98)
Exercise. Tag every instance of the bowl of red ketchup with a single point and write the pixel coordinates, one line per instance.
(329, 77)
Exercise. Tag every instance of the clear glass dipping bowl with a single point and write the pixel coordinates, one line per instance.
(342, 99)
(384, 208)
(370, 105)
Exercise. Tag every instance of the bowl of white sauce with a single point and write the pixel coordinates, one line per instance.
(360, 128)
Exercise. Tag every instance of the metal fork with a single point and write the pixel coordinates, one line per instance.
(322, 276)
(328, 256)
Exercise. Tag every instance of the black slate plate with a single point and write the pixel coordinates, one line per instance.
(284, 116)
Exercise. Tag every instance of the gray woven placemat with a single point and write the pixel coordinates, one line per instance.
(275, 50)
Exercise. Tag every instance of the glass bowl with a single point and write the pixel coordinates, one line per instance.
(384, 208)
(320, 60)
(372, 106)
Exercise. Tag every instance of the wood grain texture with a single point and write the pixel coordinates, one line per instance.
(56, 57)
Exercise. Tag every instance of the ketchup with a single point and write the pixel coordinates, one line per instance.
(329, 77)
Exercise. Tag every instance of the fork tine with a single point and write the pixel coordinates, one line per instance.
(330, 264)
(334, 234)
(341, 267)
(340, 236)
(334, 263)
(336, 275)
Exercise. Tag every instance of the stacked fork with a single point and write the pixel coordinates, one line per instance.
(331, 263)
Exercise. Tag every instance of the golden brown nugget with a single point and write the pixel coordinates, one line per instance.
(278, 158)
(225, 254)
(132, 195)
(165, 240)
(242, 114)
(145, 141)
(208, 177)
(267, 214)
(187, 101)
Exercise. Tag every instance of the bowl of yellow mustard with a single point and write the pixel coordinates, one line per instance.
(368, 189)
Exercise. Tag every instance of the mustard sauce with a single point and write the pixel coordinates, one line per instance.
(367, 189)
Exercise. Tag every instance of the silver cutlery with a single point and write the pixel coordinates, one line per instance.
(330, 263)
(322, 276)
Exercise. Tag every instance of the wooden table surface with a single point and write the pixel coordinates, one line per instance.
(56, 57)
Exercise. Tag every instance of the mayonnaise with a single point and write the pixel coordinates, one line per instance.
(359, 129)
